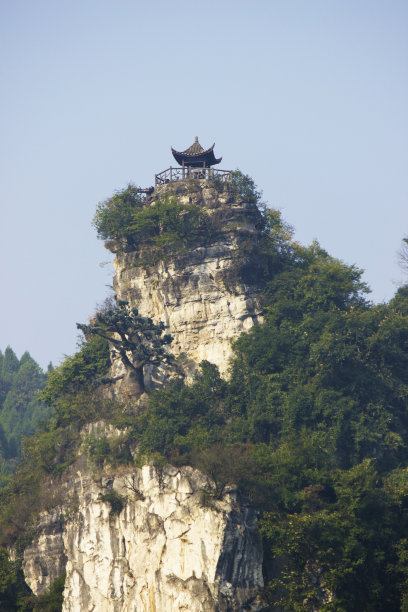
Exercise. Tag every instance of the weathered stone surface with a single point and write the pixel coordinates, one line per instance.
(164, 551)
(45, 559)
(192, 293)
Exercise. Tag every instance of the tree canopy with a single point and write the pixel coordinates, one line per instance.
(157, 230)
(21, 381)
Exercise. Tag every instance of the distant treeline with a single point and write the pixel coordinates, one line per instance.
(21, 381)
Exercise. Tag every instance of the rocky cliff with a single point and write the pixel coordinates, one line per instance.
(147, 540)
(200, 295)
(159, 540)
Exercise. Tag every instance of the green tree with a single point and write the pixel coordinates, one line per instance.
(22, 411)
(9, 367)
(114, 216)
(13, 590)
(158, 229)
(245, 186)
(81, 371)
(135, 339)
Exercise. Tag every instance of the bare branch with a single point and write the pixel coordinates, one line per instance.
(403, 254)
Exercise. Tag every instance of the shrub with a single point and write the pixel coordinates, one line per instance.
(113, 218)
(81, 370)
(114, 451)
(117, 502)
(156, 230)
(245, 186)
(52, 599)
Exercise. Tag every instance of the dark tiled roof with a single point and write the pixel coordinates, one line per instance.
(196, 155)
(195, 148)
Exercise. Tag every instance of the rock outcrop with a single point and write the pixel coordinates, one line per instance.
(158, 540)
(143, 540)
(199, 295)
(45, 559)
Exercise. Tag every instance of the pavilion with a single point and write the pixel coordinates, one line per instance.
(195, 162)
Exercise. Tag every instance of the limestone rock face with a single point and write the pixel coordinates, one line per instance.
(192, 293)
(160, 550)
(45, 559)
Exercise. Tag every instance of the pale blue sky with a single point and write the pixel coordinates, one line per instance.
(308, 97)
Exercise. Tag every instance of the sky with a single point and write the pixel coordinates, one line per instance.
(308, 97)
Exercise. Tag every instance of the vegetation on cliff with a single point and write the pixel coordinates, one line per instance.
(312, 425)
(136, 340)
(156, 230)
(167, 227)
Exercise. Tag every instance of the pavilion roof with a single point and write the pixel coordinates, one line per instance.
(196, 156)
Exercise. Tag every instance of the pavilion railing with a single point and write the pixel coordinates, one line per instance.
(179, 174)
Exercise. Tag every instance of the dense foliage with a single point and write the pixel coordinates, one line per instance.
(166, 227)
(78, 372)
(312, 425)
(157, 230)
(20, 409)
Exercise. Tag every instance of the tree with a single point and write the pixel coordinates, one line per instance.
(79, 372)
(135, 339)
(9, 367)
(21, 411)
(245, 186)
(114, 216)
(157, 230)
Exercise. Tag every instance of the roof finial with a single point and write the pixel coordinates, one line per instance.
(196, 139)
